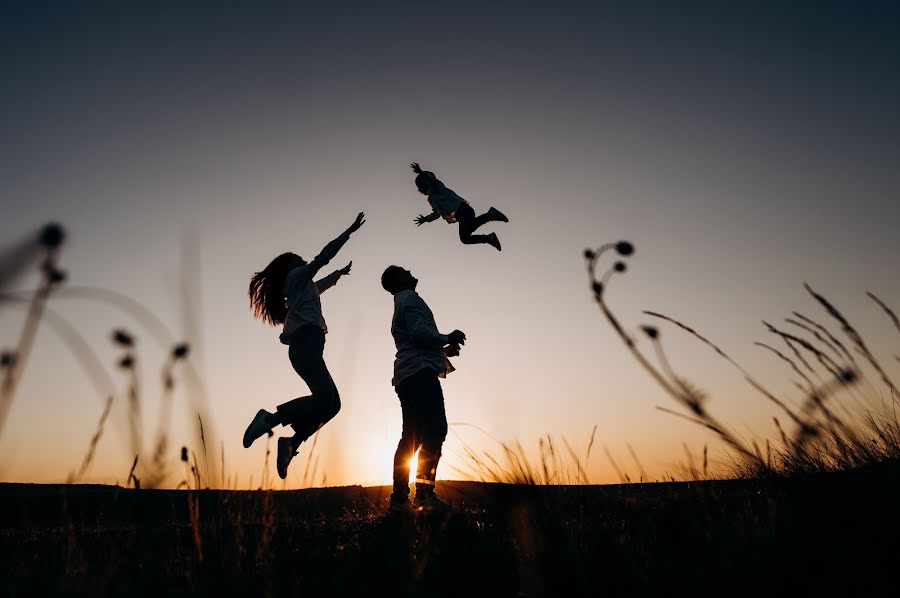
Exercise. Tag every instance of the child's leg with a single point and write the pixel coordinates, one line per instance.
(465, 216)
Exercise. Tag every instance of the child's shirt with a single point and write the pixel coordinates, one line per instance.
(444, 201)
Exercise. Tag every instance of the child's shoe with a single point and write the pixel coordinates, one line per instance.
(496, 215)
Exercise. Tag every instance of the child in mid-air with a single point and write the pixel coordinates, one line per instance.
(451, 207)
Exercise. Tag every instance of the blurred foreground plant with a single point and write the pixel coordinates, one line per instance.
(827, 436)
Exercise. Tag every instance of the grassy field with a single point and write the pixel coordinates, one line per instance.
(826, 533)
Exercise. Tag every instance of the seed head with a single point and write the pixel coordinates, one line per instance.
(127, 362)
(55, 276)
(184, 454)
(650, 331)
(122, 338)
(624, 248)
(588, 254)
(180, 351)
(848, 376)
(7, 359)
(52, 236)
(597, 287)
(619, 266)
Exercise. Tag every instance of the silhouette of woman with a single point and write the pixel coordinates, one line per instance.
(451, 207)
(285, 293)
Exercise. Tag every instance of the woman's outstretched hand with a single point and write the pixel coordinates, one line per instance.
(360, 220)
(345, 270)
(420, 220)
(416, 168)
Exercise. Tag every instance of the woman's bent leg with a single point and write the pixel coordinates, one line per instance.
(307, 414)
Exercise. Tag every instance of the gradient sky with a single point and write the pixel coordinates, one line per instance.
(743, 147)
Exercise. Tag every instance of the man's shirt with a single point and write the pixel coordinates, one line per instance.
(444, 202)
(419, 344)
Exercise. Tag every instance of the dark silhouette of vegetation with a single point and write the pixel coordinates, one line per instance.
(828, 434)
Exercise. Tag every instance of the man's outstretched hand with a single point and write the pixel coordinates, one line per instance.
(345, 270)
(451, 350)
(457, 337)
(420, 220)
(416, 168)
(360, 220)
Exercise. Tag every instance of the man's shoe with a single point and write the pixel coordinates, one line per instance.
(493, 241)
(258, 427)
(286, 452)
(497, 216)
(428, 501)
(399, 507)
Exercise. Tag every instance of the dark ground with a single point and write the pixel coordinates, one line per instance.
(822, 535)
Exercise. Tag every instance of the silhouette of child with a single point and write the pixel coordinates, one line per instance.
(451, 207)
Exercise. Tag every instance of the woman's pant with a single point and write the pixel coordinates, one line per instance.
(307, 414)
(424, 429)
(468, 223)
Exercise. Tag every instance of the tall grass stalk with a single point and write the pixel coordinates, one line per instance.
(829, 435)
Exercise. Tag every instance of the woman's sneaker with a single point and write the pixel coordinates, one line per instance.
(286, 452)
(258, 427)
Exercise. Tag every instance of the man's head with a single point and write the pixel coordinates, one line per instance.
(396, 279)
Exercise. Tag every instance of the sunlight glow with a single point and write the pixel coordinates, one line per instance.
(413, 464)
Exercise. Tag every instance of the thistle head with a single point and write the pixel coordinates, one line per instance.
(7, 359)
(848, 376)
(624, 248)
(122, 338)
(650, 331)
(180, 351)
(52, 236)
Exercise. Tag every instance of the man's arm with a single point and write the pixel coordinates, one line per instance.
(331, 250)
(421, 329)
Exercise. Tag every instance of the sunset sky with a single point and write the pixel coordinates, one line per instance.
(744, 148)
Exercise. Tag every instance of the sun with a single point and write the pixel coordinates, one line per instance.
(414, 465)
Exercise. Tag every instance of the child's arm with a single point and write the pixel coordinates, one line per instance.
(420, 219)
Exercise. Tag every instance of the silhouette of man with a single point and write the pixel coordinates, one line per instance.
(421, 359)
